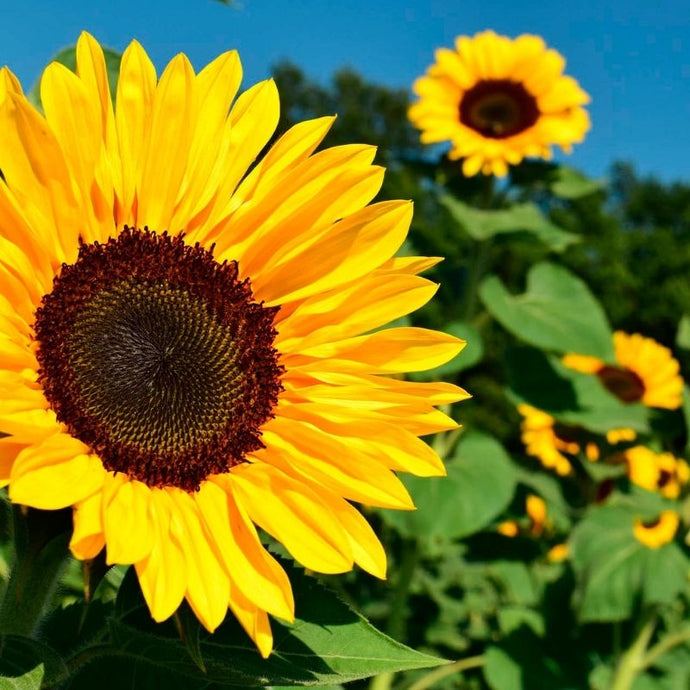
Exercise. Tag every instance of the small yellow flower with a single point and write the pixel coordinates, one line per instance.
(508, 528)
(615, 436)
(536, 511)
(558, 553)
(592, 451)
(658, 532)
(542, 440)
(660, 472)
(499, 100)
(647, 372)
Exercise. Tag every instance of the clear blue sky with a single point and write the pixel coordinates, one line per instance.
(632, 56)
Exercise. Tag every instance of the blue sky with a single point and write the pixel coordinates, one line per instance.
(632, 56)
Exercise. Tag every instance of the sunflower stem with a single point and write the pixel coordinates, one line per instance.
(434, 676)
(481, 254)
(671, 640)
(40, 552)
(632, 661)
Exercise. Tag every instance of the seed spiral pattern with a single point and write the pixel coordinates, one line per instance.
(158, 358)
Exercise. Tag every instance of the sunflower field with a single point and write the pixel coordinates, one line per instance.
(387, 401)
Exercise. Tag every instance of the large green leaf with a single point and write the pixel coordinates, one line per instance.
(68, 58)
(557, 312)
(615, 571)
(481, 224)
(478, 487)
(328, 644)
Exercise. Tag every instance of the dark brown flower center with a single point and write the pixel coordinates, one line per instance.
(498, 108)
(158, 358)
(623, 383)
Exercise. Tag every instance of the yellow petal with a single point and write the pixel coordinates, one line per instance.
(126, 519)
(136, 87)
(251, 124)
(253, 620)
(207, 582)
(294, 146)
(300, 449)
(216, 86)
(55, 474)
(233, 537)
(9, 449)
(391, 351)
(350, 249)
(87, 538)
(163, 573)
(371, 303)
(167, 149)
(295, 516)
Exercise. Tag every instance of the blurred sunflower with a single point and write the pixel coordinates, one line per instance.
(499, 100)
(181, 348)
(547, 440)
(660, 472)
(658, 532)
(647, 371)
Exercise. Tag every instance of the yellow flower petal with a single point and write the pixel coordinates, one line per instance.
(55, 474)
(87, 538)
(126, 520)
(163, 573)
(235, 540)
(294, 515)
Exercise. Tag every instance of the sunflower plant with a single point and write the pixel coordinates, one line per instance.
(192, 324)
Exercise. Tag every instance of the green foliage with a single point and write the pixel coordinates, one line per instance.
(616, 573)
(556, 312)
(482, 225)
(31, 680)
(479, 486)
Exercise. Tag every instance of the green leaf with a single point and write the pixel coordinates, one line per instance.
(548, 488)
(471, 354)
(572, 397)
(571, 184)
(683, 334)
(32, 680)
(68, 58)
(614, 571)
(481, 224)
(479, 486)
(328, 644)
(516, 581)
(557, 312)
(22, 656)
(519, 663)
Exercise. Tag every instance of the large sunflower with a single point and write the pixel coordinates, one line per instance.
(647, 372)
(498, 101)
(189, 344)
